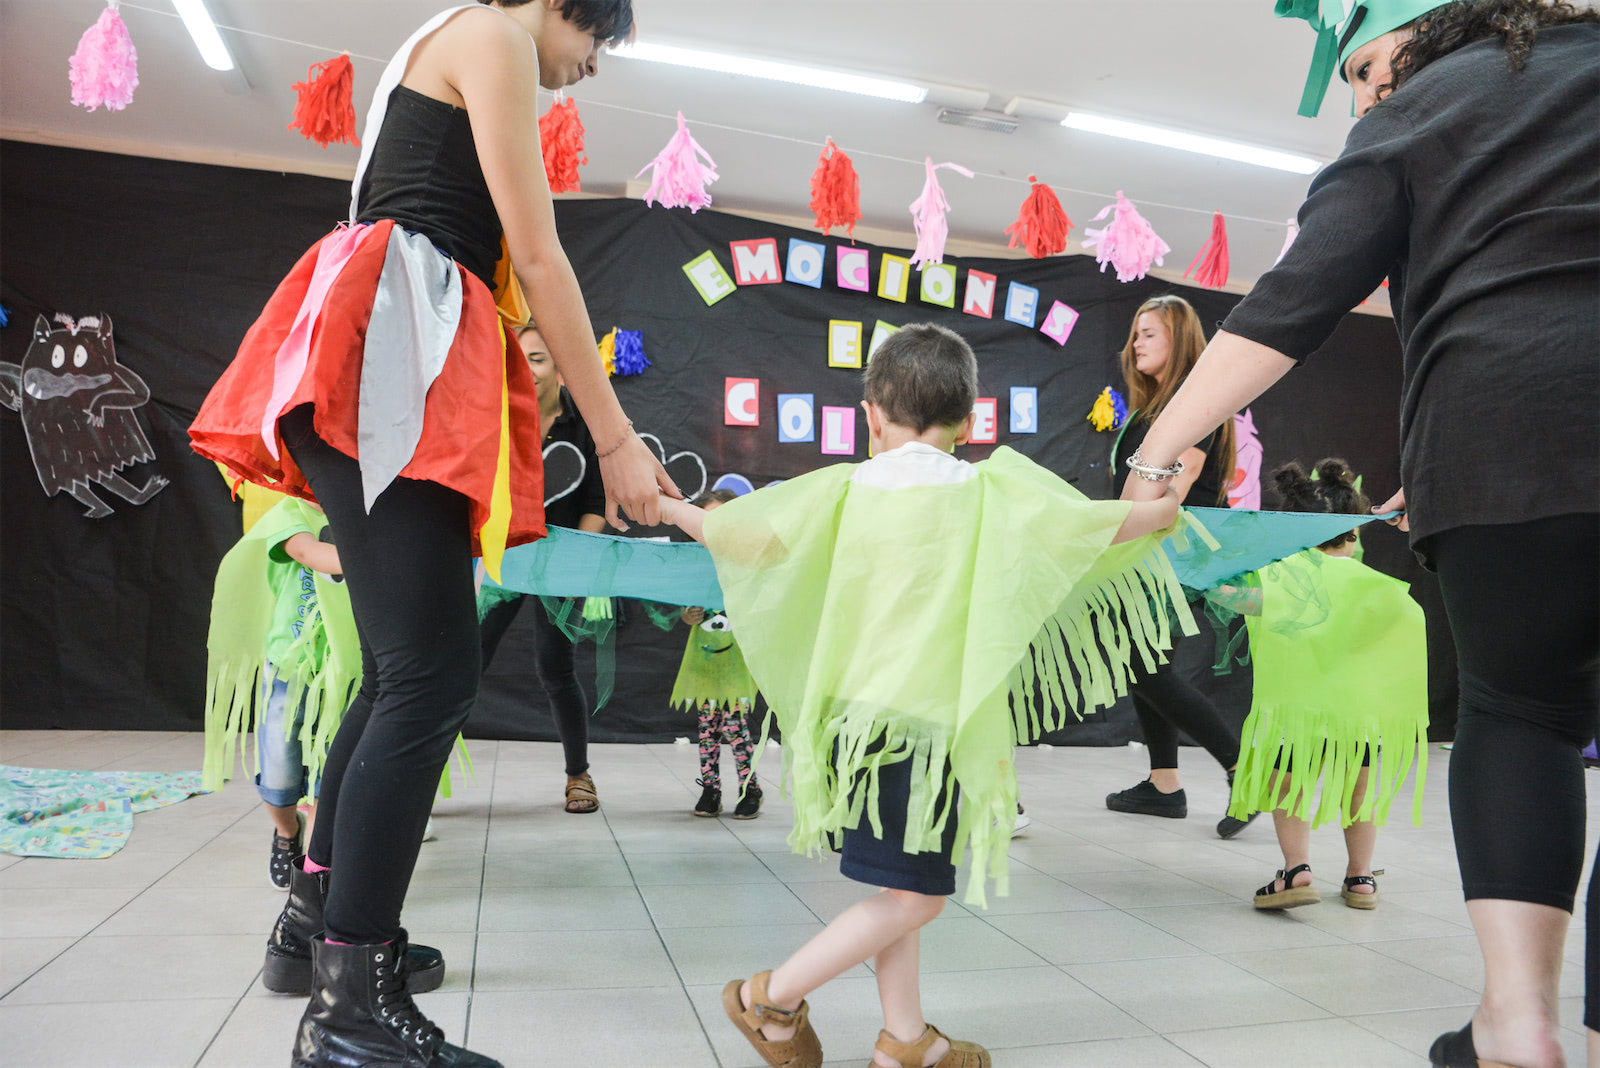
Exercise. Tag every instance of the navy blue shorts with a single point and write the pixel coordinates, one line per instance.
(883, 861)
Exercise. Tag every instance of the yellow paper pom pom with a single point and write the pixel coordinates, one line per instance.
(1104, 414)
(608, 351)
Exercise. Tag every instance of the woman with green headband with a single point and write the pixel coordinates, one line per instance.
(1471, 183)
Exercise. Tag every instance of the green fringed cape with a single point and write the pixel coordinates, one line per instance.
(713, 670)
(323, 666)
(1341, 663)
(926, 617)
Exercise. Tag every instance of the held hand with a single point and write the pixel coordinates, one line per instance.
(694, 616)
(634, 481)
(1138, 489)
(1397, 502)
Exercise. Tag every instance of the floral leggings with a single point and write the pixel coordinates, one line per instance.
(719, 725)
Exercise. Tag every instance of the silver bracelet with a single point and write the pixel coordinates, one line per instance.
(1143, 470)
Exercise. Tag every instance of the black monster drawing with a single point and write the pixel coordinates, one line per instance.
(76, 404)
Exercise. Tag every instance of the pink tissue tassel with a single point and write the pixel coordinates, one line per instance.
(105, 68)
(927, 214)
(680, 178)
(1288, 239)
(1127, 242)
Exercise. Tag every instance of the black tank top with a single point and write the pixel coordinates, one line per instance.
(424, 175)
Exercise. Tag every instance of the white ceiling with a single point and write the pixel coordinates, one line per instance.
(1222, 67)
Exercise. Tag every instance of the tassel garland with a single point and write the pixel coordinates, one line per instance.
(608, 352)
(1127, 242)
(679, 178)
(835, 191)
(105, 67)
(323, 111)
(1109, 410)
(628, 356)
(561, 140)
(1042, 224)
(1210, 264)
(928, 211)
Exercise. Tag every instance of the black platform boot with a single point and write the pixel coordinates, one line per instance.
(361, 1014)
(287, 969)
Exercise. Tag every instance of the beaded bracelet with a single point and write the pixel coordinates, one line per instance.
(626, 434)
(1137, 465)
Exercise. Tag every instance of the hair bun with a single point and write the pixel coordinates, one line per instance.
(1335, 472)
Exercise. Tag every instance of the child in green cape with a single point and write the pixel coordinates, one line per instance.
(713, 676)
(890, 610)
(1340, 654)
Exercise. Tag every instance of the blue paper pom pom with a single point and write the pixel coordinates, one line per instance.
(630, 358)
(1119, 407)
(5, 316)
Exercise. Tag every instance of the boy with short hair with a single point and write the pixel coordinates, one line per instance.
(891, 610)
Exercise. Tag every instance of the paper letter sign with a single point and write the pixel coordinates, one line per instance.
(880, 334)
(755, 263)
(1024, 409)
(1022, 304)
(805, 262)
(850, 269)
(709, 279)
(894, 277)
(984, 427)
(796, 417)
(741, 402)
(844, 343)
(980, 294)
(939, 284)
(838, 431)
(1058, 324)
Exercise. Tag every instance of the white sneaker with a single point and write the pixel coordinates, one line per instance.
(428, 834)
(1022, 824)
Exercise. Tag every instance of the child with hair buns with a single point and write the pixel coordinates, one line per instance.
(1340, 667)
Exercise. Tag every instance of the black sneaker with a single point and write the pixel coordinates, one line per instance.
(284, 850)
(710, 803)
(1145, 800)
(1227, 826)
(749, 806)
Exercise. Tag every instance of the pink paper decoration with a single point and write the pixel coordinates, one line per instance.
(680, 178)
(1210, 264)
(105, 68)
(927, 214)
(1127, 242)
(1292, 232)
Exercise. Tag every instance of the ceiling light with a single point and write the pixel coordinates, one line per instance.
(773, 70)
(197, 20)
(1188, 142)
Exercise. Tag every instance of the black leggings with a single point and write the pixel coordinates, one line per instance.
(1167, 704)
(1525, 614)
(408, 566)
(552, 657)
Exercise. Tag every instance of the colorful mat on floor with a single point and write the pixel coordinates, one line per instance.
(84, 814)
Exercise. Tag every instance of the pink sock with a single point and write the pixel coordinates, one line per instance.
(331, 942)
(312, 867)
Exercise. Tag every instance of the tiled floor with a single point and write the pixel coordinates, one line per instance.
(586, 940)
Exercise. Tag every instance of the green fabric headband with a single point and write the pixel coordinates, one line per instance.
(1341, 32)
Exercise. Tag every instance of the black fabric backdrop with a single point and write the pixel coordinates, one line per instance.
(103, 622)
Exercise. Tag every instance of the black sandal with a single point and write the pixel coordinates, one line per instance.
(1454, 1049)
(1291, 896)
(1361, 901)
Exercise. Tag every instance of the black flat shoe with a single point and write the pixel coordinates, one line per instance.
(1144, 799)
(1454, 1049)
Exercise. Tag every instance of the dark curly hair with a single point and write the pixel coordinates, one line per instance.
(1445, 29)
(1332, 489)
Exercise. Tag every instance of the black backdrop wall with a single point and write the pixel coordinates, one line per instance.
(103, 622)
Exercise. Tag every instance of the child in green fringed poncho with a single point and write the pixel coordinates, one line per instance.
(282, 641)
(1340, 657)
(894, 613)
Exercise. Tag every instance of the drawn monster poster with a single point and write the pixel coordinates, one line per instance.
(76, 403)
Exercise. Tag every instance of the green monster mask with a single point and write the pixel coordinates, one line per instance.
(713, 668)
(1342, 27)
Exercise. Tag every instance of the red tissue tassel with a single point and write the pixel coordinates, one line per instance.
(1041, 225)
(561, 138)
(835, 191)
(1210, 264)
(323, 111)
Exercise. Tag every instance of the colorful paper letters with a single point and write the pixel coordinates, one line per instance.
(741, 402)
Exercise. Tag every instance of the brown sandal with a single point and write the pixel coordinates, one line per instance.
(910, 1054)
(581, 796)
(802, 1050)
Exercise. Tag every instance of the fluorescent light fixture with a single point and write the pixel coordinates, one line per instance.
(773, 70)
(197, 20)
(1188, 142)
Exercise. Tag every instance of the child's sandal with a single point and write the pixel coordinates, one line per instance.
(801, 1050)
(910, 1054)
(1361, 901)
(1291, 896)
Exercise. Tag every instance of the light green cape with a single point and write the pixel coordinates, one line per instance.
(712, 671)
(931, 617)
(323, 666)
(1341, 662)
